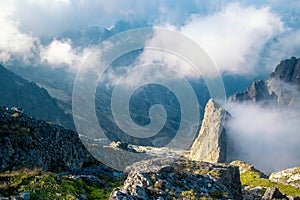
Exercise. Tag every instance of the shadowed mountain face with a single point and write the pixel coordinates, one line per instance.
(281, 87)
(18, 92)
(288, 71)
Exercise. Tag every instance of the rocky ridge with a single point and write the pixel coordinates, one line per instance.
(289, 176)
(258, 92)
(281, 88)
(28, 142)
(182, 179)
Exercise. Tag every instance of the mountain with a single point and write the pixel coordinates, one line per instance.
(36, 101)
(288, 71)
(282, 87)
(257, 92)
(31, 143)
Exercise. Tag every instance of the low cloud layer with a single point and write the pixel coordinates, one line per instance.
(60, 53)
(266, 137)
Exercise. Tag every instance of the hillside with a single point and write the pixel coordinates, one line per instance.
(34, 100)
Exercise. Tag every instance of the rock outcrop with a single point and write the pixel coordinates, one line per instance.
(29, 143)
(210, 145)
(288, 71)
(257, 92)
(182, 179)
(256, 185)
(289, 176)
(273, 193)
(279, 89)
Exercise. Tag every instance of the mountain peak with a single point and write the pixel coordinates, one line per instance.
(288, 71)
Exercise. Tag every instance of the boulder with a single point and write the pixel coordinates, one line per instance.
(210, 145)
(289, 176)
(182, 179)
(273, 193)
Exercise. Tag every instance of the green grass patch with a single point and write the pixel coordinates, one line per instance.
(253, 179)
(42, 185)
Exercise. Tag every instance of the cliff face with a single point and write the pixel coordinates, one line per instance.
(257, 92)
(210, 145)
(30, 143)
(282, 87)
(288, 71)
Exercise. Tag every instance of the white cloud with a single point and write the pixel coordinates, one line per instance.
(235, 37)
(266, 137)
(50, 18)
(59, 53)
(13, 42)
(287, 45)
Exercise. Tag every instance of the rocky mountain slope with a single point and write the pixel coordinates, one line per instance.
(36, 101)
(288, 71)
(28, 142)
(68, 171)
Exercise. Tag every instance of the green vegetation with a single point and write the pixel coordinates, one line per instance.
(190, 167)
(253, 179)
(42, 185)
(219, 194)
(190, 194)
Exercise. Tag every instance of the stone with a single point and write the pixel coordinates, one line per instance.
(289, 176)
(24, 195)
(273, 193)
(182, 179)
(294, 198)
(30, 143)
(253, 194)
(210, 145)
(81, 197)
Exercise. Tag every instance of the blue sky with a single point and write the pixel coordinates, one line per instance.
(242, 37)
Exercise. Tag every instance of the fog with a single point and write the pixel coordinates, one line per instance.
(266, 137)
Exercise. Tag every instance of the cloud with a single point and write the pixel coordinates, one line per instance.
(235, 36)
(50, 18)
(266, 137)
(286, 46)
(60, 53)
(13, 42)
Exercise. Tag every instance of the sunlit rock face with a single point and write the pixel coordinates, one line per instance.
(210, 145)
